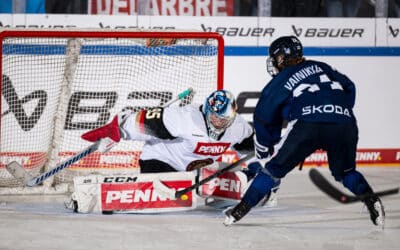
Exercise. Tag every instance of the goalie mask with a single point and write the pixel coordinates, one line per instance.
(284, 51)
(219, 110)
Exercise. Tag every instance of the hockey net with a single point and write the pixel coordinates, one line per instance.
(58, 84)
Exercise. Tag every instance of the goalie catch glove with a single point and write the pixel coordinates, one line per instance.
(112, 130)
(261, 151)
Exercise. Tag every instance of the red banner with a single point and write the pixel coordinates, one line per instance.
(364, 157)
(162, 7)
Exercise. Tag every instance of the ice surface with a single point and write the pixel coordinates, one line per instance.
(305, 218)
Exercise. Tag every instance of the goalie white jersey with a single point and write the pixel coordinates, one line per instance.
(188, 139)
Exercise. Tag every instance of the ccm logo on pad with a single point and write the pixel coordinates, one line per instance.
(213, 149)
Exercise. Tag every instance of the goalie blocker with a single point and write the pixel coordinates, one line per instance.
(148, 193)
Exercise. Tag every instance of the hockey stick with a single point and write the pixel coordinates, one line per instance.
(324, 185)
(181, 192)
(103, 145)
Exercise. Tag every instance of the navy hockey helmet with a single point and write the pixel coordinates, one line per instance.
(219, 110)
(284, 51)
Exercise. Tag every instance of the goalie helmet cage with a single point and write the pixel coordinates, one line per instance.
(58, 84)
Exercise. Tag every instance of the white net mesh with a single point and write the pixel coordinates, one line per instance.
(56, 88)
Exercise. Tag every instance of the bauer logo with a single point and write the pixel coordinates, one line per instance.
(328, 32)
(239, 31)
(104, 102)
(36, 101)
(393, 31)
(214, 149)
(141, 196)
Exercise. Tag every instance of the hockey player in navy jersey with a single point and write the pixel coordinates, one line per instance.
(317, 102)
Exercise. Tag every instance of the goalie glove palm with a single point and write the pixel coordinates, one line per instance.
(110, 130)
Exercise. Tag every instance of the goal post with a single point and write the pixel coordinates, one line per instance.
(58, 84)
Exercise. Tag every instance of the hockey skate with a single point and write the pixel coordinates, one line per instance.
(376, 210)
(234, 214)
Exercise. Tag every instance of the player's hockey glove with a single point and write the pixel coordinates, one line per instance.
(261, 151)
(252, 169)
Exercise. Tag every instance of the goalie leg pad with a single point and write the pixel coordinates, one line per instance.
(142, 193)
(85, 198)
(227, 186)
(219, 203)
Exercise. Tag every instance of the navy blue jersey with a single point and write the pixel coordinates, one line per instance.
(310, 91)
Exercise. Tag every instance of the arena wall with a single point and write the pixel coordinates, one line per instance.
(365, 49)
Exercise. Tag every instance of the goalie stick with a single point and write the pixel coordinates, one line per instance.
(103, 145)
(324, 185)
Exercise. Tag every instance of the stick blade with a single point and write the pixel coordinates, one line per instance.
(325, 186)
(19, 173)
